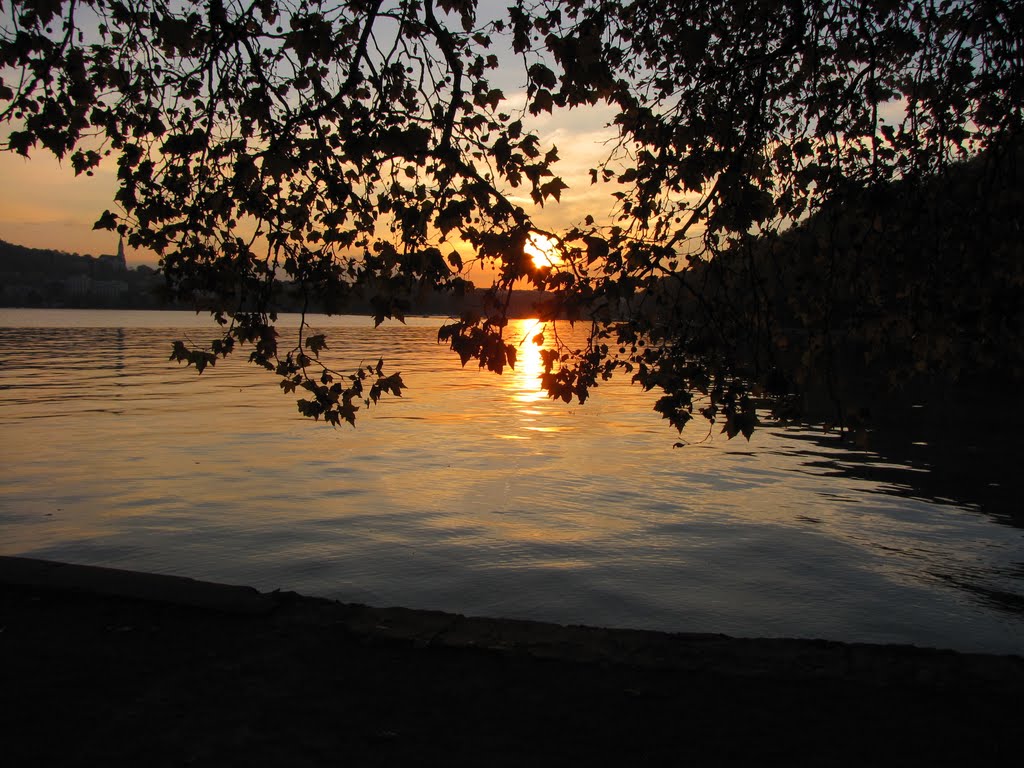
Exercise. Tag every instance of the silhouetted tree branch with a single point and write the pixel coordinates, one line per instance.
(778, 165)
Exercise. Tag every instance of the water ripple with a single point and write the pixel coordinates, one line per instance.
(477, 494)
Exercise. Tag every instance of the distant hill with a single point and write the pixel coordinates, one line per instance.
(33, 261)
(910, 292)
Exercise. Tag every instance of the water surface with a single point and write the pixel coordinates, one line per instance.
(475, 493)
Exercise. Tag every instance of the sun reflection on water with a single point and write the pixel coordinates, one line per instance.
(459, 497)
(523, 384)
(529, 366)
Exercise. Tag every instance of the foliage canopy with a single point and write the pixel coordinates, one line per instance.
(776, 161)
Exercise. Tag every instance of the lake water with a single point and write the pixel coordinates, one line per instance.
(475, 493)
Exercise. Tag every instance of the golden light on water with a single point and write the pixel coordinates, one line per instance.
(543, 250)
(531, 403)
(529, 365)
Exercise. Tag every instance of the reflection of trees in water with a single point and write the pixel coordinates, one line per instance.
(109, 346)
(957, 471)
(119, 349)
(997, 598)
(955, 468)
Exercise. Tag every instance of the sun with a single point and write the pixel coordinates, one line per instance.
(543, 250)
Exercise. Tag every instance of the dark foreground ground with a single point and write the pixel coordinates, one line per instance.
(113, 668)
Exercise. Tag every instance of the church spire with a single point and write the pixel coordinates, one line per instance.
(122, 262)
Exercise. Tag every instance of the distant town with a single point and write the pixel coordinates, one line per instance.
(35, 277)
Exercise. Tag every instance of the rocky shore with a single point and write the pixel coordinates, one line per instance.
(107, 667)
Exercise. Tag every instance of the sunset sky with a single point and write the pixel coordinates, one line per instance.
(44, 205)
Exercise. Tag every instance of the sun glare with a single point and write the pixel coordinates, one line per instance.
(543, 250)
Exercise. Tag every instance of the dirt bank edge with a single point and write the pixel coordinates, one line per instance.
(783, 658)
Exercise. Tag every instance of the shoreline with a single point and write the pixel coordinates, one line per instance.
(117, 667)
(791, 657)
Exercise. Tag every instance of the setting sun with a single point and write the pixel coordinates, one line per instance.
(543, 250)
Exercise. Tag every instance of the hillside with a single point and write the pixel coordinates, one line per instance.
(39, 277)
(906, 292)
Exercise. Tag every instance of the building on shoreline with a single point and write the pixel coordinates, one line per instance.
(36, 277)
(114, 262)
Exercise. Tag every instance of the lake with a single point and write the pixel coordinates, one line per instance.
(476, 493)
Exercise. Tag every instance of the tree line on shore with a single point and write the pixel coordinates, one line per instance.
(43, 277)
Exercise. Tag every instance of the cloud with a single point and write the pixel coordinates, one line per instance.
(584, 139)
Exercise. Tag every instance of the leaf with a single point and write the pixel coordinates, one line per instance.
(494, 98)
(542, 76)
(347, 410)
(597, 248)
(21, 141)
(553, 189)
(185, 143)
(107, 221)
(316, 343)
(542, 102)
(84, 161)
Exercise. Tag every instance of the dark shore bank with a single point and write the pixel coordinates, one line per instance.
(106, 667)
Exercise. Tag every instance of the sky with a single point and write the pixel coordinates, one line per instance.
(44, 205)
